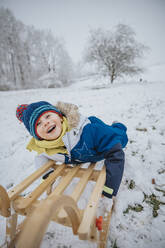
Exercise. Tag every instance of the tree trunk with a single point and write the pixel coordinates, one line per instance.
(13, 69)
(22, 75)
(113, 73)
(28, 62)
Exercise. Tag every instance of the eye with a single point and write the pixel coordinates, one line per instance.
(47, 116)
(38, 123)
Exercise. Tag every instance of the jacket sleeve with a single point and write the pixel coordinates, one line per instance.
(108, 142)
(114, 162)
(103, 138)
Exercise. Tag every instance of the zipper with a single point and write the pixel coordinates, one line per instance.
(67, 143)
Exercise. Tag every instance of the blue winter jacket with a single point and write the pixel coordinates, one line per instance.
(96, 140)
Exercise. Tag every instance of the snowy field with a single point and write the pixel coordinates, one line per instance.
(141, 107)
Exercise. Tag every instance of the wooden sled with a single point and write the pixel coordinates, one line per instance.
(55, 206)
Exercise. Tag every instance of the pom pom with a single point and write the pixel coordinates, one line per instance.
(19, 111)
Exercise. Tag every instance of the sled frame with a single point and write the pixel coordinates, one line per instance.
(56, 206)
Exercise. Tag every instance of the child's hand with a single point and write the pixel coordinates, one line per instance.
(108, 202)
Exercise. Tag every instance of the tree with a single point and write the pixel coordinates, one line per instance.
(114, 53)
(27, 54)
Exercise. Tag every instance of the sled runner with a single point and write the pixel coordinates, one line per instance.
(55, 206)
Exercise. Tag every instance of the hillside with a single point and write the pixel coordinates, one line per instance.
(140, 106)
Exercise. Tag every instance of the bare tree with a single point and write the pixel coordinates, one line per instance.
(114, 52)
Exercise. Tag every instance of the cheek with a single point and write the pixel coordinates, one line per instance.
(60, 125)
(58, 122)
(39, 130)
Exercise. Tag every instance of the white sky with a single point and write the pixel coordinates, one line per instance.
(72, 19)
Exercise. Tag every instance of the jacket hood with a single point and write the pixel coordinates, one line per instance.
(71, 112)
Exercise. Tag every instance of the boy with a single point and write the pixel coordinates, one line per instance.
(60, 133)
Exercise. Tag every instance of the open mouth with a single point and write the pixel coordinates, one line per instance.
(51, 129)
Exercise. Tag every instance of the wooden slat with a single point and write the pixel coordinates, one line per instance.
(11, 224)
(13, 193)
(4, 202)
(78, 190)
(82, 183)
(65, 181)
(62, 186)
(93, 235)
(104, 232)
(89, 213)
(36, 224)
(81, 171)
(26, 202)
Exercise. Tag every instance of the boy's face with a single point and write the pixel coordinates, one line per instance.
(49, 126)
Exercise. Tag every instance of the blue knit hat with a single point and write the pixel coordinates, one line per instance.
(29, 114)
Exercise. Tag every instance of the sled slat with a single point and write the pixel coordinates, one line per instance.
(82, 183)
(65, 181)
(13, 193)
(104, 233)
(62, 185)
(11, 225)
(26, 202)
(40, 218)
(78, 190)
(90, 210)
(4, 202)
(81, 171)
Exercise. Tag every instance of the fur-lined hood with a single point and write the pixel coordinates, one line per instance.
(71, 112)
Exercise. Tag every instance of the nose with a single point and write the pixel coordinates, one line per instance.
(46, 122)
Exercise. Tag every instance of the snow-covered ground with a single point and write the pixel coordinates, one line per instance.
(141, 106)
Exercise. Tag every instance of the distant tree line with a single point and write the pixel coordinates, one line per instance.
(31, 58)
(27, 55)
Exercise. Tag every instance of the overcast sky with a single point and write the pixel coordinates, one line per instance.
(72, 20)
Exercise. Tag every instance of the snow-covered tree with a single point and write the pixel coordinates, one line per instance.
(114, 52)
(65, 67)
(27, 54)
(10, 48)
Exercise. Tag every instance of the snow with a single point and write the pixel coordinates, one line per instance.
(139, 105)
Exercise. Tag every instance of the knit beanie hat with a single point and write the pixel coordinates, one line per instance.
(29, 114)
